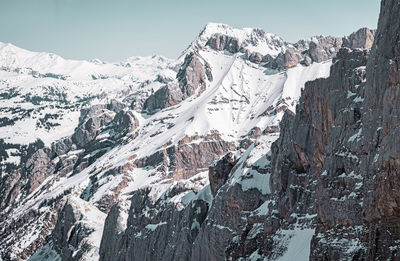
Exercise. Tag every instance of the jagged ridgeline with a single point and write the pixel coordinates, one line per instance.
(246, 147)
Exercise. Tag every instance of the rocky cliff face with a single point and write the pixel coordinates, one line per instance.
(202, 158)
(192, 79)
(329, 169)
(372, 227)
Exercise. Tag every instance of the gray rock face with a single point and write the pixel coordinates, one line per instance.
(9, 188)
(193, 75)
(187, 159)
(90, 122)
(62, 236)
(372, 210)
(255, 57)
(219, 172)
(324, 49)
(289, 59)
(157, 230)
(39, 167)
(113, 234)
(319, 49)
(61, 147)
(363, 38)
(292, 58)
(300, 150)
(115, 106)
(69, 238)
(124, 123)
(93, 122)
(231, 210)
(34, 168)
(222, 42)
(164, 97)
(192, 79)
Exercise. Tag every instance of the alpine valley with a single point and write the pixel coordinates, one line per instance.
(246, 147)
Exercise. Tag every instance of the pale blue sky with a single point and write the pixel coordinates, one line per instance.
(116, 29)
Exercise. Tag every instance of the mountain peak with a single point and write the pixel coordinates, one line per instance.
(252, 39)
(245, 32)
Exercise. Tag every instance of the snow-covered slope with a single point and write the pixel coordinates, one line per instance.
(41, 94)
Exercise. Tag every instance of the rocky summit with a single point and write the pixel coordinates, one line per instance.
(246, 147)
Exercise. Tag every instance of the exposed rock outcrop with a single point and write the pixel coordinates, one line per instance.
(233, 206)
(190, 156)
(254, 57)
(192, 79)
(193, 75)
(363, 38)
(219, 172)
(290, 58)
(74, 235)
(166, 96)
(91, 120)
(35, 167)
(158, 230)
(222, 42)
(317, 49)
(369, 204)
(114, 228)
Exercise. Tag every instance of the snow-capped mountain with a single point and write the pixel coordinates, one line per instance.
(147, 152)
(252, 39)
